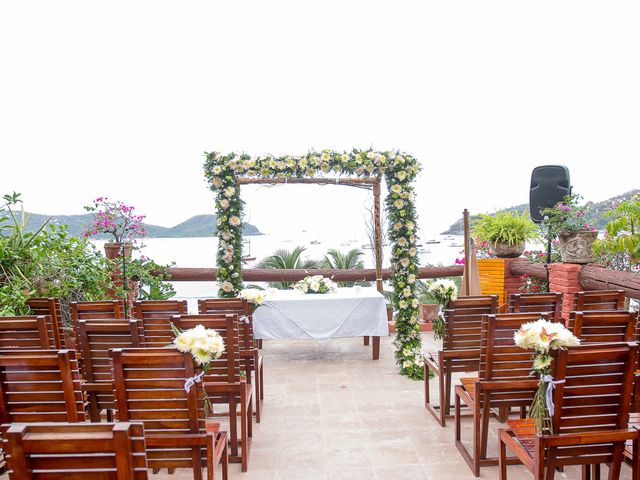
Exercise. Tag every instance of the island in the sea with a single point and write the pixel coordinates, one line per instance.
(196, 226)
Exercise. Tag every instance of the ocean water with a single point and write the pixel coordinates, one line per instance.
(200, 252)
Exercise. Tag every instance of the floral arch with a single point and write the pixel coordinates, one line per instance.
(224, 172)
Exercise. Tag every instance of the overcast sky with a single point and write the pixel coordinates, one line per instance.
(122, 98)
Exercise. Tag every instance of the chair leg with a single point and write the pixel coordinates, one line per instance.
(225, 462)
(233, 425)
(427, 371)
(262, 381)
(447, 395)
(245, 420)
(257, 395)
(484, 434)
(502, 456)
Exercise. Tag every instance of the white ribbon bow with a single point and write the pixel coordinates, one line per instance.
(190, 382)
(549, 396)
(244, 319)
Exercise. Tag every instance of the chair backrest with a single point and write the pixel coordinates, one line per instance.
(149, 388)
(237, 306)
(501, 359)
(40, 386)
(51, 308)
(603, 326)
(227, 367)
(30, 332)
(464, 321)
(95, 310)
(594, 390)
(156, 316)
(598, 300)
(538, 303)
(107, 451)
(95, 340)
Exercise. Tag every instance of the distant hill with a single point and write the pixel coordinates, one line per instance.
(598, 209)
(198, 226)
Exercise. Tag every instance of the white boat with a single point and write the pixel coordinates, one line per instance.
(432, 241)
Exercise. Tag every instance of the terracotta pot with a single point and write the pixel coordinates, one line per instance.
(112, 250)
(504, 250)
(428, 312)
(578, 247)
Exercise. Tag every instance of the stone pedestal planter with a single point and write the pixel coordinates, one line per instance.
(578, 247)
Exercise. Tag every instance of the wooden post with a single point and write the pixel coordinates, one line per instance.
(467, 246)
(377, 233)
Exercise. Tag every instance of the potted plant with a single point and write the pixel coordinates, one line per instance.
(118, 220)
(428, 305)
(508, 232)
(571, 223)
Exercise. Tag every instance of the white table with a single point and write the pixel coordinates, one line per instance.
(349, 312)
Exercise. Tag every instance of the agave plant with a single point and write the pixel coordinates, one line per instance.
(336, 260)
(285, 259)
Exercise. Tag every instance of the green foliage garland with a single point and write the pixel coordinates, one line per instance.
(398, 169)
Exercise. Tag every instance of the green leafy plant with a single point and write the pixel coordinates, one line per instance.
(511, 228)
(151, 279)
(285, 259)
(622, 239)
(334, 259)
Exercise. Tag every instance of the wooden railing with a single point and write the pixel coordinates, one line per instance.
(592, 277)
(276, 275)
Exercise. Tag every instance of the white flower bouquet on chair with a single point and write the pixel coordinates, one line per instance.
(543, 336)
(316, 284)
(204, 344)
(254, 296)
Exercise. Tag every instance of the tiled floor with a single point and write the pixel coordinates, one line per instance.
(332, 413)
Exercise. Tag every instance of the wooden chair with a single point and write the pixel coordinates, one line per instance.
(156, 317)
(40, 386)
(460, 352)
(95, 340)
(253, 360)
(598, 300)
(149, 388)
(503, 383)
(590, 422)
(51, 308)
(537, 302)
(603, 326)
(44, 451)
(28, 332)
(224, 383)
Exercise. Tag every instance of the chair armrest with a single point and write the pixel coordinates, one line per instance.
(589, 438)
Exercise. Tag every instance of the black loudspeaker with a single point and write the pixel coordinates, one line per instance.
(549, 185)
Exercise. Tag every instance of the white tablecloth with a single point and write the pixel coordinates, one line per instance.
(345, 313)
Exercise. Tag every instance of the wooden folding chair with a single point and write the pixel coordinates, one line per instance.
(51, 308)
(598, 300)
(537, 303)
(503, 383)
(149, 388)
(95, 340)
(28, 332)
(590, 424)
(40, 386)
(460, 352)
(224, 383)
(249, 352)
(44, 451)
(156, 317)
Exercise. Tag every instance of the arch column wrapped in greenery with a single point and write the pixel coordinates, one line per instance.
(398, 169)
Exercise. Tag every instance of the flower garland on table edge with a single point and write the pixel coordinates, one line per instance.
(398, 169)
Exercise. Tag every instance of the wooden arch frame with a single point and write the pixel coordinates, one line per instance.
(227, 172)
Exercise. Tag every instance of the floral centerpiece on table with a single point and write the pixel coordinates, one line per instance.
(204, 344)
(542, 336)
(114, 218)
(316, 284)
(254, 296)
(443, 291)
